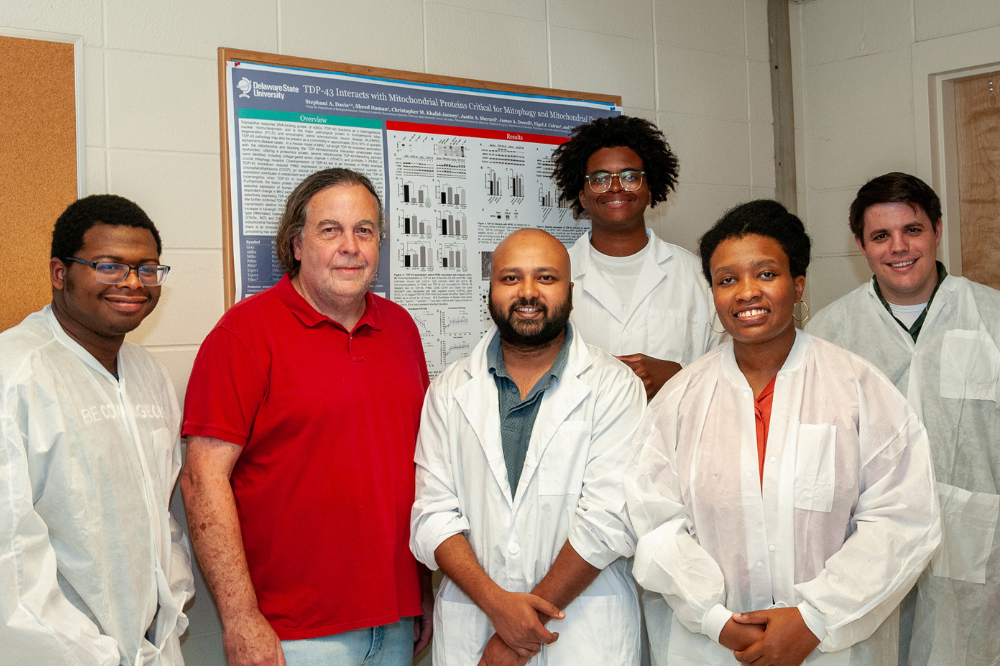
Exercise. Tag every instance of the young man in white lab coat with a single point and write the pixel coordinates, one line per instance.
(635, 296)
(519, 494)
(936, 336)
(94, 570)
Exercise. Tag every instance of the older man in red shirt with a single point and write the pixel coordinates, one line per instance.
(301, 416)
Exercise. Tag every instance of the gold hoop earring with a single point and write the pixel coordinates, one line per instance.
(804, 319)
(714, 315)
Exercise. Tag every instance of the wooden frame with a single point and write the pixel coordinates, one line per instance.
(935, 65)
(227, 55)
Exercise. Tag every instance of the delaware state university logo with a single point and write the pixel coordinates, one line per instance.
(244, 85)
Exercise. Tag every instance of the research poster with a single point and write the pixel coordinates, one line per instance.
(458, 169)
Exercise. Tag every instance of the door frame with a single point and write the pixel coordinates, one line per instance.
(935, 65)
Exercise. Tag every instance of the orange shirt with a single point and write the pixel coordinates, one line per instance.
(762, 414)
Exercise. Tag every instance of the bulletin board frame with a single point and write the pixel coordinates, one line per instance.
(43, 148)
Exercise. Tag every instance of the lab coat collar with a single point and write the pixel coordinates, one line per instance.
(480, 403)
(796, 357)
(592, 282)
(901, 335)
(88, 359)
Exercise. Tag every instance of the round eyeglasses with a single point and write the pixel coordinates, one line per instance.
(112, 272)
(630, 179)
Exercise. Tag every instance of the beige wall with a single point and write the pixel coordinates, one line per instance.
(856, 99)
(697, 67)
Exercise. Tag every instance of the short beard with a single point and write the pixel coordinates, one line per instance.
(532, 334)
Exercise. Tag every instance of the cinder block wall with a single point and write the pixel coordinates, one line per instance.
(696, 67)
(854, 111)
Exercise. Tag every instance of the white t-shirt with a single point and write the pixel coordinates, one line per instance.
(907, 314)
(621, 272)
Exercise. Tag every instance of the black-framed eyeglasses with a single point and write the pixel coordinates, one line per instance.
(630, 179)
(112, 272)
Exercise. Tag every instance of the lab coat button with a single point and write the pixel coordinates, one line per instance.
(771, 548)
(773, 459)
(760, 565)
(513, 549)
(628, 331)
(748, 475)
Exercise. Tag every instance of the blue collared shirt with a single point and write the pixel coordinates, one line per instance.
(517, 417)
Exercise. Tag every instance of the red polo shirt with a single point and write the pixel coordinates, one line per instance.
(325, 483)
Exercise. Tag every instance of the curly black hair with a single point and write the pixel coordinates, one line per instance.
(82, 214)
(658, 161)
(763, 217)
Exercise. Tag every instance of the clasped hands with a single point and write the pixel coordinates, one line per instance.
(772, 637)
(518, 619)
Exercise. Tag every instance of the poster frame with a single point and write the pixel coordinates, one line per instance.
(227, 55)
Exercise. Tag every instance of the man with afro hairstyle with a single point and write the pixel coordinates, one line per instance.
(634, 295)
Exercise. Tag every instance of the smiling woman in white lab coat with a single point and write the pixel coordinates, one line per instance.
(781, 488)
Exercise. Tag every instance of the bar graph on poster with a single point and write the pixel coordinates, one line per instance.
(458, 169)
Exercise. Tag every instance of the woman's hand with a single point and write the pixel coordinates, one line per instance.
(738, 637)
(787, 640)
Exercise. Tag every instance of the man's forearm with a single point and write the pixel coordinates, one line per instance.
(568, 577)
(216, 537)
(459, 563)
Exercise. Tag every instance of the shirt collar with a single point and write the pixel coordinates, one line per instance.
(494, 357)
(914, 330)
(310, 317)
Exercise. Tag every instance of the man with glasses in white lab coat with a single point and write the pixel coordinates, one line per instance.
(936, 337)
(519, 497)
(93, 568)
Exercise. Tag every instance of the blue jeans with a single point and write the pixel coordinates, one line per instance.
(387, 645)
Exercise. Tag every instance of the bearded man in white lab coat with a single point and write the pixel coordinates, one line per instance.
(93, 568)
(635, 296)
(936, 336)
(519, 497)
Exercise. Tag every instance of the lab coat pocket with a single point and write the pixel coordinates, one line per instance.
(970, 365)
(460, 633)
(969, 522)
(600, 629)
(670, 335)
(815, 471)
(560, 471)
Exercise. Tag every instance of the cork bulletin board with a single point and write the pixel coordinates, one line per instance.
(39, 157)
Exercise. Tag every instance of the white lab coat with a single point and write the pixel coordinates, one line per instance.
(950, 378)
(570, 488)
(88, 549)
(670, 312)
(847, 519)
